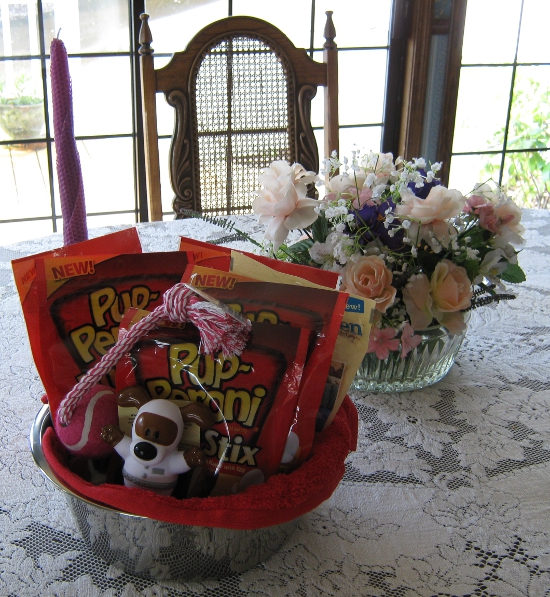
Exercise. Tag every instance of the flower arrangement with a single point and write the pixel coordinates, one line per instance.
(424, 253)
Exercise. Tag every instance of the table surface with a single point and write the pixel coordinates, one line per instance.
(447, 493)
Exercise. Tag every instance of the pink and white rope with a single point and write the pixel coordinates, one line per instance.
(218, 330)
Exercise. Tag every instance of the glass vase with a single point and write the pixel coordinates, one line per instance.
(429, 362)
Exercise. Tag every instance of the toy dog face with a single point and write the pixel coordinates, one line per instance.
(156, 431)
(158, 426)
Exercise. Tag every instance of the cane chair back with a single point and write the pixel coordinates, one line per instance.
(242, 95)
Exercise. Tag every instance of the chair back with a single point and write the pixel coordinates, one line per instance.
(242, 95)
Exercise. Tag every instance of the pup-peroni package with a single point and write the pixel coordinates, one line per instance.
(24, 273)
(317, 310)
(253, 396)
(82, 301)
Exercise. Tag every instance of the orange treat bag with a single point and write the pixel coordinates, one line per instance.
(317, 310)
(217, 257)
(253, 395)
(82, 302)
(24, 273)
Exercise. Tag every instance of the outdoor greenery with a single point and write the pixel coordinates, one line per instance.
(526, 175)
(23, 93)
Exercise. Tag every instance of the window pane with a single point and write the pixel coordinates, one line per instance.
(108, 175)
(18, 31)
(25, 184)
(21, 100)
(364, 139)
(525, 178)
(354, 22)
(482, 105)
(102, 100)
(361, 88)
(291, 17)
(531, 108)
(480, 46)
(534, 29)
(468, 170)
(89, 25)
(173, 24)
(166, 189)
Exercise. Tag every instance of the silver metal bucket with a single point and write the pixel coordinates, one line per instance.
(159, 550)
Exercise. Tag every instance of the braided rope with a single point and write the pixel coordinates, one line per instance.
(219, 331)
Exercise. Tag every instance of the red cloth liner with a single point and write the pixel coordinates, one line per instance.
(280, 499)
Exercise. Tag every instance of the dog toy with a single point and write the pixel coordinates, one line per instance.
(151, 458)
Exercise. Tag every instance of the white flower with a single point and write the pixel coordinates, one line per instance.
(493, 264)
(283, 203)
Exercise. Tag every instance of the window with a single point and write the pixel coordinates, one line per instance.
(101, 40)
(503, 108)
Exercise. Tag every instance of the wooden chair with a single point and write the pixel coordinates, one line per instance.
(242, 97)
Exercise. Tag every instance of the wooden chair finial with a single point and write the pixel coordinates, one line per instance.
(145, 36)
(330, 31)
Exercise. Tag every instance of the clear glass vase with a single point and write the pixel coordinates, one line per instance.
(429, 362)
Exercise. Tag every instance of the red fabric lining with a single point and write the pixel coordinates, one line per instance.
(281, 499)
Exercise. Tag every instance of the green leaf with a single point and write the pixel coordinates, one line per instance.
(472, 268)
(513, 273)
(319, 229)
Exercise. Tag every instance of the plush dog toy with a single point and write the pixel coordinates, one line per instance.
(151, 458)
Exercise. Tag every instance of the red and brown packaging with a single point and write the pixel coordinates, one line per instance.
(24, 273)
(319, 311)
(253, 395)
(82, 301)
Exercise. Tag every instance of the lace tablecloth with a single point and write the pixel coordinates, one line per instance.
(447, 494)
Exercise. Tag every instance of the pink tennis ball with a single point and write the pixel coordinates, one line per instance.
(82, 436)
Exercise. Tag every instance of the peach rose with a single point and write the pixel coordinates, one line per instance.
(440, 204)
(510, 215)
(369, 277)
(451, 292)
(417, 299)
(443, 297)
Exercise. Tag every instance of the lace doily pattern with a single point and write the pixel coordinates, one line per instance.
(446, 495)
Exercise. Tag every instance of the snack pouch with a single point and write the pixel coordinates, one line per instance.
(24, 273)
(253, 395)
(218, 257)
(351, 344)
(318, 310)
(82, 302)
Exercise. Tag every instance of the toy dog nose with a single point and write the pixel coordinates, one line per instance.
(145, 451)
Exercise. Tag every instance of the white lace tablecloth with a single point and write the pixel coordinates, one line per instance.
(447, 494)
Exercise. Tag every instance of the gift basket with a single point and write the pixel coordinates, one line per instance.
(196, 401)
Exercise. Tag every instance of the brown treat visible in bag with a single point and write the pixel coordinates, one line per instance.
(253, 396)
(318, 310)
(82, 302)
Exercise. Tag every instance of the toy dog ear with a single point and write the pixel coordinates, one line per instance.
(133, 396)
(198, 413)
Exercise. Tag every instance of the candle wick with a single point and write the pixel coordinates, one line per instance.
(58, 32)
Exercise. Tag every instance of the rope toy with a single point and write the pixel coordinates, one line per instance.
(220, 328)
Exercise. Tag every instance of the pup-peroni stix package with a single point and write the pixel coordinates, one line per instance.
(317, 310)
(82, 301)
(253, 396)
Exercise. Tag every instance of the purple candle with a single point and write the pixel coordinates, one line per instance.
(69, 173)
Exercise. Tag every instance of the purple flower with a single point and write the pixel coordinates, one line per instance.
(422, 192)
(370, 221)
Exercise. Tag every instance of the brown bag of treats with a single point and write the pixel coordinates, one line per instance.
(253, 395)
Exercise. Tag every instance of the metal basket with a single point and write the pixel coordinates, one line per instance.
(158, 550)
